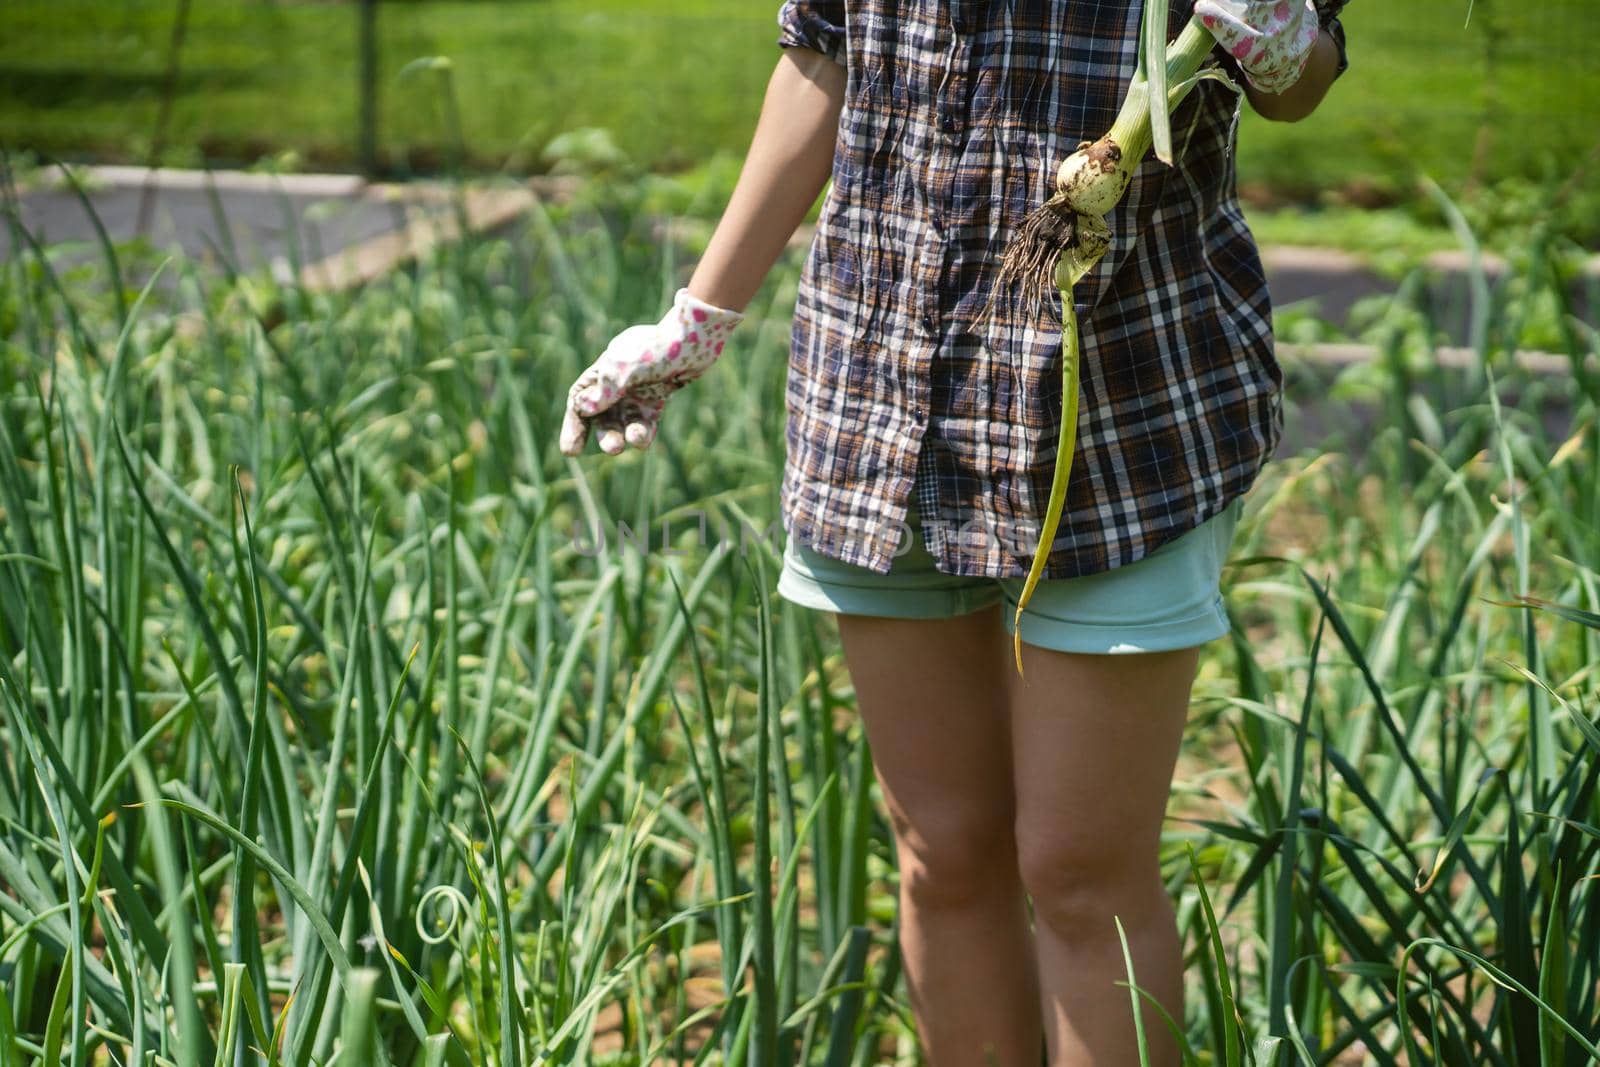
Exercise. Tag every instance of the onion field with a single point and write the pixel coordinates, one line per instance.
(343, 720)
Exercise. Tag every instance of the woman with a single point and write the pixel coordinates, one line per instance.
(921, 441)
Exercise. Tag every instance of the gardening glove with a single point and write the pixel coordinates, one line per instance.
(622, 393)
(1270, 39)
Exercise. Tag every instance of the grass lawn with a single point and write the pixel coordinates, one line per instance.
(84, 76)
(1510, 95)
(1513, 93)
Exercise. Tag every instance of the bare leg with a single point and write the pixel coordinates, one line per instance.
(933, 704)
(1095, 740)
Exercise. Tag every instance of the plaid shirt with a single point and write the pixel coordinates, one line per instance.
(956, 114)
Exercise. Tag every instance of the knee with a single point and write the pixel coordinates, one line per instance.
(1077, 885)
(957, 859)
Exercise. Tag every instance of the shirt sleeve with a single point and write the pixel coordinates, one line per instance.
(1328, 15)
(814, 24)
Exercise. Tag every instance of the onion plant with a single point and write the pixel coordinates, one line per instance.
(1064, 239)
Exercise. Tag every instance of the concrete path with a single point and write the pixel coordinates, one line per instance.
(262, 220)
(1330, 283)
(339, 229)
(342, 231)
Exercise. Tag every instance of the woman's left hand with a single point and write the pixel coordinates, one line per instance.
(622, 393)
(1271, 39)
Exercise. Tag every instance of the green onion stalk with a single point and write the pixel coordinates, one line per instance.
(1062, 241)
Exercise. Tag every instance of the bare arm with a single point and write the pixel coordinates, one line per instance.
(1301, 98)
(789, 162)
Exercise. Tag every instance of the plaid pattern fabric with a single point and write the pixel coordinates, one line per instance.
(957, 113)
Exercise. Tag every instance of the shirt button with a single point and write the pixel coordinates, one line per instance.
(927, 321)
(948, 122)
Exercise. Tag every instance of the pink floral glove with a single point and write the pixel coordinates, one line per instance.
(622, 393)
(1271, 39)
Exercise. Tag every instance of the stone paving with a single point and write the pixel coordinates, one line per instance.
(338, 228)
(343, 230)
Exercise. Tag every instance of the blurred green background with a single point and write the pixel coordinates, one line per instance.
(1501, 106)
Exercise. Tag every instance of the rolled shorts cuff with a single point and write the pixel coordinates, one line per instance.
(959, 596)
(1156, 635)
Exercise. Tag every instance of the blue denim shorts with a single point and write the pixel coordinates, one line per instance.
(1169, 599)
